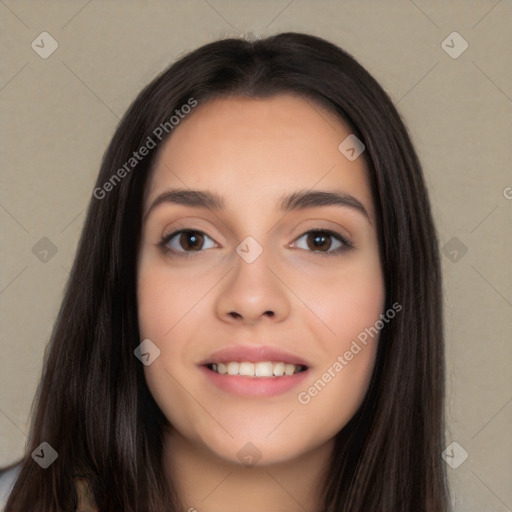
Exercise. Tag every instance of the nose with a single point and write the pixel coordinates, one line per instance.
(253, 291)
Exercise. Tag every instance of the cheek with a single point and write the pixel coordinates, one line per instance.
(350, 307)
(165, 308)
(348, 302)
(169, 311)
(155, 306)
(358, 308)
(163, 299)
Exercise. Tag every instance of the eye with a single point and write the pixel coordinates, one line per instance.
(186, 242)
(321, 241)
(190, 240)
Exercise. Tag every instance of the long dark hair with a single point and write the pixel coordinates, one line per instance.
(93, 405)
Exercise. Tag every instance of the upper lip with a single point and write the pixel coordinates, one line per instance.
(252, 354)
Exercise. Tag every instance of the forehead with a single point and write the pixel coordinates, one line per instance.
(251, 149)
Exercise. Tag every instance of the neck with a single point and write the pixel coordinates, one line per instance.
(207, 483)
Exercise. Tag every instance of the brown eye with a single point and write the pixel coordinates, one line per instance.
(321, 241)
(186, 241)
(191, 240)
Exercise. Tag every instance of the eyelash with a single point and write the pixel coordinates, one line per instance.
(162, 244)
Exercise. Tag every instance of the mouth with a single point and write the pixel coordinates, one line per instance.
(262, 369)
(254, 371)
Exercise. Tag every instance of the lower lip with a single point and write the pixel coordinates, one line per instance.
(254, 386)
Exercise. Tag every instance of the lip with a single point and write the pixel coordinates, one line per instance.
(253, 354)
(254, 386)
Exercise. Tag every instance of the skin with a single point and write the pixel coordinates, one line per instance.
(251, 151)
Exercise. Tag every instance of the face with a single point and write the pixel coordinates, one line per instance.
(258, 285)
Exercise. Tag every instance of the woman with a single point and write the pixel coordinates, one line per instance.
(253, 319)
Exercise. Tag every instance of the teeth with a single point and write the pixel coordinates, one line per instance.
(232, 368)
(279, 369)
(289, 369)
(261, 369)
(246, 369)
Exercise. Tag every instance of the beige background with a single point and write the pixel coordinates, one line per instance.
(59, 113)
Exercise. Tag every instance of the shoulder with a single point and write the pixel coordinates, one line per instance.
(7, 481)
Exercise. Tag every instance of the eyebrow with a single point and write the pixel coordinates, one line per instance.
(299, 200)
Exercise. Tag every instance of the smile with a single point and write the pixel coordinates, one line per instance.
(256, 370)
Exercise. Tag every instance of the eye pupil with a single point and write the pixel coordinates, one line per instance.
(319, 240)
(194, 237)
